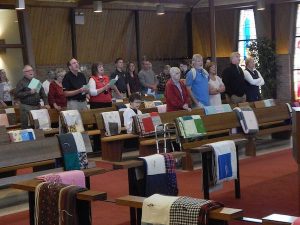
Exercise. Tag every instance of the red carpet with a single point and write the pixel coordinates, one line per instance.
(268, 185)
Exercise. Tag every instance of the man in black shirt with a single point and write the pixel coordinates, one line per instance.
(121, 83)
(75, 86)
(234, 81)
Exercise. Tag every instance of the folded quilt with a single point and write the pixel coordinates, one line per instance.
(72, 177)
(217, 109)
(73, 151)
(191, 126)
(43, 118)
(146, 123)
(112, 123)
(156, 209)
(225, 161)
(21, 135)
(72, 120)
(56, 204)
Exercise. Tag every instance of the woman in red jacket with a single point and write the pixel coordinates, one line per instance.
(176, 94)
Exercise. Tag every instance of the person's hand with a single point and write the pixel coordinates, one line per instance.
(32, 91)
(221, 88)
(186, 107)
(57, 107)
(47, 106)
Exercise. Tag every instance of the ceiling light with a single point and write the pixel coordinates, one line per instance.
(97, 6)
(260, 5)
(20, 4)
(160, 10)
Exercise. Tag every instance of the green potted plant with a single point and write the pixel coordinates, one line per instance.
(264, 53)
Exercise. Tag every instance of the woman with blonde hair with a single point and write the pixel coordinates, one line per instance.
(5, 90)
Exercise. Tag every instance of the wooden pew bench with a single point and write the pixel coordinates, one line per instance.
(28, 154)
(271, 121)
(147, 144)
(136, 203)
(113, 146)
(84, 198)
(41, 152)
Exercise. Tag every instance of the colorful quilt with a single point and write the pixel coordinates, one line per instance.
(146, 124)
(21, 135)
(191, 126)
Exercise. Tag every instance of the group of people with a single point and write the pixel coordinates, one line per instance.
(201, 86)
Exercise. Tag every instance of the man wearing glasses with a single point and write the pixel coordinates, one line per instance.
(75, 86)
(29, 97)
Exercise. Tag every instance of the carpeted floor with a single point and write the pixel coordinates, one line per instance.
(267, 186)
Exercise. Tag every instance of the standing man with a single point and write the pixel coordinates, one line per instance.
(121, 82)
(75, 87)
(148, 79)
(197, 83)
(29, 98)
(234, 81)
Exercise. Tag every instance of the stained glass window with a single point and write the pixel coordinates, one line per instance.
(297, 58)
(247, 33)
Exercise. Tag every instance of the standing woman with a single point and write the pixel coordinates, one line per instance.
(132, 79)
(253, 81)
(5, 90)
(176, 93)
(99, 87)
(216, 86)
(56, 96)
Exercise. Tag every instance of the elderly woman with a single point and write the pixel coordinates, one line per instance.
(56, 97)
(176, 93)
(253, 80)
(5, 89)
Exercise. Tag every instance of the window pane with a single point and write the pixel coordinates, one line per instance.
(297, 84)
(9, 26)
(247, 28)
(298, 22)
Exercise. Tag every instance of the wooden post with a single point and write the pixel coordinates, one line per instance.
(296, 145)
(189, 29)
(73, 33)
(137, 38)
(212, 15)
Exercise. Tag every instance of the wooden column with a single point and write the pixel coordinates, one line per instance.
(212, 16)
(137, 38)
(296, 146)
(73, 33)
(26, 39)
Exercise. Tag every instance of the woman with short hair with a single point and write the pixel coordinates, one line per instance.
(56, 96)
(176, 94)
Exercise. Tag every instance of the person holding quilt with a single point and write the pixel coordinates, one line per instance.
(176, 93)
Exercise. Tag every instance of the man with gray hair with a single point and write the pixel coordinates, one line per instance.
(197, 83)
(148, 79)
(234, 81)
(29, 97)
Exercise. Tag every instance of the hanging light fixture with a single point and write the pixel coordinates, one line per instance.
(160, 10)
(97, 6)
(260, 5)
(20, 4)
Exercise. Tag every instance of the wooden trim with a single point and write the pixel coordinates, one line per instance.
(137, 38)
(73, 33)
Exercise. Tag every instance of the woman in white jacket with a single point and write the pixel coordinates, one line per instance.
(135, 102)
(253, 80)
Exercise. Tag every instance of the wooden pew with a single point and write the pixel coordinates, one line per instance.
(147, 144)
(271, 120)
(112, 146)
(136, 203)
(40, 152)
